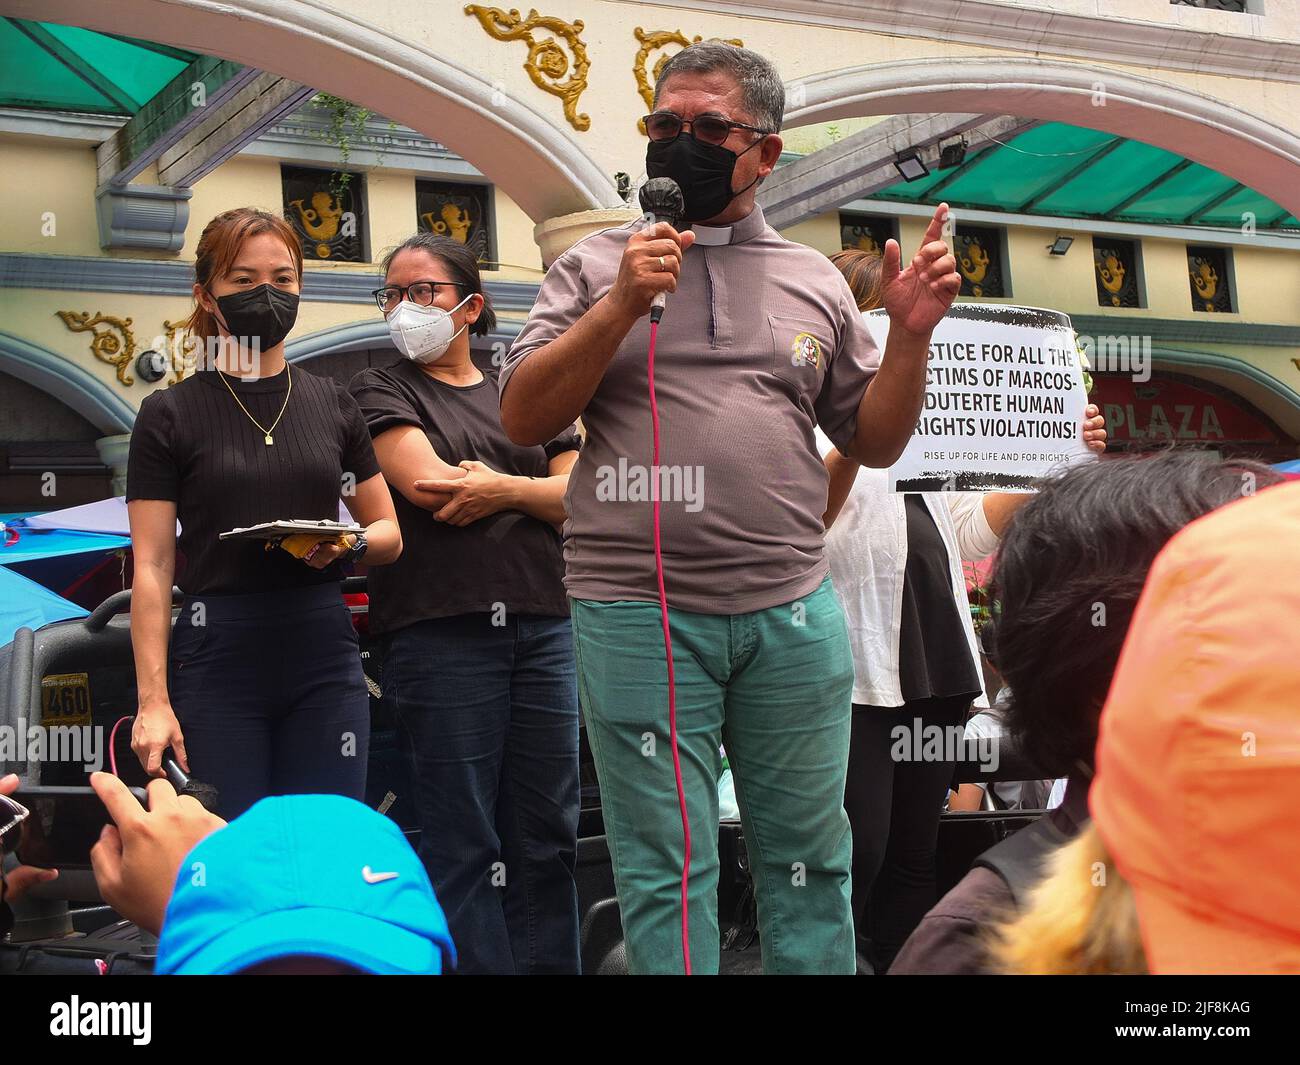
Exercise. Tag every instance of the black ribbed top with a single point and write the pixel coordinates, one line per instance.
(192, 444)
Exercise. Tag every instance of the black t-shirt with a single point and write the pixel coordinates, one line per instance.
(193, 445)
(509, 557)
(934, 659)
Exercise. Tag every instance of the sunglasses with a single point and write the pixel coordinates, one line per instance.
(663, 126)
(12, 815)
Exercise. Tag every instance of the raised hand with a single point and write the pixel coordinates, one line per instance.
(919, 296)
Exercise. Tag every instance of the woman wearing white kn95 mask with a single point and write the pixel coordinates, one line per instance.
(424, 332)
(473, 623)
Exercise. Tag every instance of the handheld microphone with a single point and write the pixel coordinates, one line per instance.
(662, 199)
(187, 785)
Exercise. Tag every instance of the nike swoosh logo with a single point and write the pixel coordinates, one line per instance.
(376, 878)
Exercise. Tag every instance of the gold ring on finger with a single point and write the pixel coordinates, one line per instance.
(661, 263)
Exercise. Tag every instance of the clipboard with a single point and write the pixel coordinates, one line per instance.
(277, 530)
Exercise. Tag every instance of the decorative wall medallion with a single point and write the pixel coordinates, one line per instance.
(860, 232)
(114, 345)
(1207, 269)
(979, 261)
(459, 210)
(1116, 268)
(326, 215)
(547, 63)
(652, 40)
(181, 350)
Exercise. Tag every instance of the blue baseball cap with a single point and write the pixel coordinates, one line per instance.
(317, 875)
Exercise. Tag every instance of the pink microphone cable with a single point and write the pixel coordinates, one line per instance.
(112, 749)
(668, 655)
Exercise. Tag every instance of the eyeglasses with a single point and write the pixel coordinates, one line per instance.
(420, 293)
(665, 126)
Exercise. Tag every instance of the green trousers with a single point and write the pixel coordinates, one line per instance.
(775, 686)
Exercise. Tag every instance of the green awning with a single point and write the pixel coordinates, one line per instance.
(48, 67)
(1062, 170)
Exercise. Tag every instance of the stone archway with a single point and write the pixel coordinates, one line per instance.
(531, 159)
(1263, 391)
(67, 382)
(1210, 131)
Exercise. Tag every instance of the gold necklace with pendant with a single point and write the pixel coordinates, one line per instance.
(265, 432)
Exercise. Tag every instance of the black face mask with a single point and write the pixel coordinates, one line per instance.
(702, 170)
(263, 315)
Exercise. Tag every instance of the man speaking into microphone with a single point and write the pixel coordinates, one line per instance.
(760, 341)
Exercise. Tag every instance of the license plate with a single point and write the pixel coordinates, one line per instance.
(65, 699)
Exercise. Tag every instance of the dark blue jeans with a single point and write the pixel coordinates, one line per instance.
(270, 696)
(490, 717)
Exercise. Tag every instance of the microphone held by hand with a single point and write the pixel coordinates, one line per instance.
(662, 200)
(187, 785)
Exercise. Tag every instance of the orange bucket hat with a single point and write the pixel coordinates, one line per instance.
(1198, 755)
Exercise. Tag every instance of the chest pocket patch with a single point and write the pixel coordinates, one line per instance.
(801, 350)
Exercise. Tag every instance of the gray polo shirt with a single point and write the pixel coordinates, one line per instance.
(760, 342)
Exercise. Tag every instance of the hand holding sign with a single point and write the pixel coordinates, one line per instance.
(1001, 507)
(1094, 428)
(917, 298)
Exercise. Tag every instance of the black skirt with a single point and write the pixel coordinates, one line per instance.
(934, 659)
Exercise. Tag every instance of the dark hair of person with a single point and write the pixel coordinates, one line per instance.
(462, 268)
(1069, 573)
(762, 91)
(861, 269)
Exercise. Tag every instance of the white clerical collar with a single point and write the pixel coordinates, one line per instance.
(711, 236)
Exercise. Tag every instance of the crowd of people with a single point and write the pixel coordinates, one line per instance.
(809, 613)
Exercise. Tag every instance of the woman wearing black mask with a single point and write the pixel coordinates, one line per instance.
(263, 693)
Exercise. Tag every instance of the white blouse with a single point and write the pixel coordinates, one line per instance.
(866, 548)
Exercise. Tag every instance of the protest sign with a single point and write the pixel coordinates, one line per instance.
(1004, 401)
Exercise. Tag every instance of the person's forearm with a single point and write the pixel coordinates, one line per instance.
(1001, 507)
(406, 456)
(151, 611)
(843, 472)
(383, 542)
(550, 389)
(892, 402)
(542, 497)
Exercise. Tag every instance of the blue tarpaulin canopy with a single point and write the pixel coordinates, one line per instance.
(56, 558)
(24, 602)
(22, 543)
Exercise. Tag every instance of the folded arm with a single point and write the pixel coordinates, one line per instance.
(406, 456)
